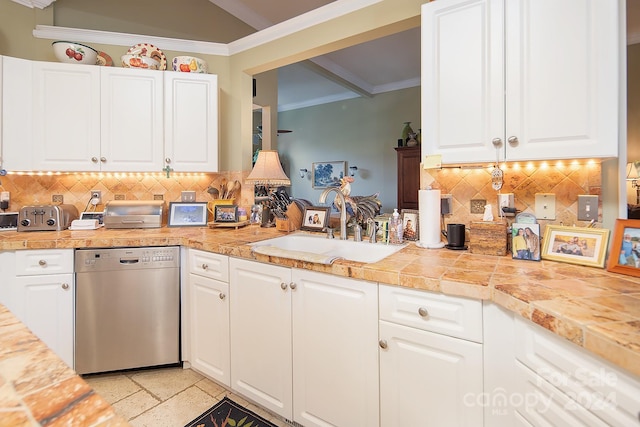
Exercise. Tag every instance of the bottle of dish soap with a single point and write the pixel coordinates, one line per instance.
(395, 228)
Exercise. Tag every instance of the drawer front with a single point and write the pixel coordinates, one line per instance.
(444, 314)
(207, 264)
(603, 389)
(46, 261)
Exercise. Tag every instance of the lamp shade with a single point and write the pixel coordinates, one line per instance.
(267, 170)
(632, 171)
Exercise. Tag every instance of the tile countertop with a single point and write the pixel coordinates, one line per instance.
(591, 307)
(37, 388)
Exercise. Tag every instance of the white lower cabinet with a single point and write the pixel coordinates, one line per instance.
(303, 344)
(209, 315)
(43, 297)
(428, 378)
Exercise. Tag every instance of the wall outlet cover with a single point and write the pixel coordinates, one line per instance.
(545, 206)
(188, 196)
(446, 204)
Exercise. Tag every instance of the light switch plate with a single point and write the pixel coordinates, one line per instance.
(587, 207)
(188, 196)
(545, 206)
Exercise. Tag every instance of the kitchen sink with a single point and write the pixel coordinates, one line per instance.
(297, 246)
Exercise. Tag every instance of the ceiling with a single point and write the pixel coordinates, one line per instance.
(382, 65)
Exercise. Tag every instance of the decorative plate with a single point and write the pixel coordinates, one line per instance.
(104, 60)
(146, 49)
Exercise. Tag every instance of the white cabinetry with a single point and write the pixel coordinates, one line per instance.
(430, 359)
(304, 344)
(209, 314)
(131, 120)
(8, 274)
(540, 77)
(17, 113)
(191, 122)
(44, 297)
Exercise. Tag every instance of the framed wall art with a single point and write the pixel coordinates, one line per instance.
(625, 248)
(185, 214)
(315, 218)
(225, 213)
(576, 245)
(411, 224)
(327, 174)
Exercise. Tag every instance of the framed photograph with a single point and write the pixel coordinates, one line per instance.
(191, 214)
(327, 174)
(575, 245)
(525, 241)
(256, 214)
(315, 218)
(225, 213)
(410, 224)
(625, 248)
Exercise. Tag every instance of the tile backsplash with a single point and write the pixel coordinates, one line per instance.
(38, 189)
(565, 179)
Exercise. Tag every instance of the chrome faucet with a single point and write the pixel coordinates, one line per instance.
(343, 209)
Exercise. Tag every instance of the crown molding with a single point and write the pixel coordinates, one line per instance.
(40, 4)
(125, 39)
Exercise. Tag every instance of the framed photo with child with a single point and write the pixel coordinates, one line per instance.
(575, 245)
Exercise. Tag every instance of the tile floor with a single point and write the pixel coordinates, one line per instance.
(164, 397)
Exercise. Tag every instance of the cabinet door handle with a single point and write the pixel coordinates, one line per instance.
(383, 344)
(513, 141)
(65, 286)
(167, 160)
(283, 286)
(293, 286)
(94, 159)
(497, 142)
(423, 312)
(103, 159)
(222, 295)
(42, 263)
(205, 266)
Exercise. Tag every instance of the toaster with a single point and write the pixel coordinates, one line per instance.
(46, 217)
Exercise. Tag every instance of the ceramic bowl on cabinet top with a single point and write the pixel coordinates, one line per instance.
(189, 64)
(138, 61)
(74, 53)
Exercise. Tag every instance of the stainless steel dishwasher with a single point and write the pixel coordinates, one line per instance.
(127, 308)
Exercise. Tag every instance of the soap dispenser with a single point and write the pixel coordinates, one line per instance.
(395, 228)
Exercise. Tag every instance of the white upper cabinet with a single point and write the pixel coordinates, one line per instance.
(17, 113)
(131, 120)
(67, 116)
(519, 80)
(191, 122)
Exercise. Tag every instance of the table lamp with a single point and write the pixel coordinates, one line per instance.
(268, 171)
(632, 176)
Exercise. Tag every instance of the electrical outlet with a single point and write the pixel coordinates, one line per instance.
(506, 200)
(57, 198)
(96, 194)
(118, 197)
(446, 204)
(587, 207)
(5, 197)
(158, 197)
(188, 196)
(545, 206)
(477, 206)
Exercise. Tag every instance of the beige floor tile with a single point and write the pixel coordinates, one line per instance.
(177, 411)
(166, 382)
(112, 387)
(212, 388)
(134, 405)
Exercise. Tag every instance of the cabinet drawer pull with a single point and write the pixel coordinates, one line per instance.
(513, 141)
(65, 286)
(283, 286)
(383, 344)
(222, 295)
(205, 266)
(423, 312)
(42, 263)
(293, 286)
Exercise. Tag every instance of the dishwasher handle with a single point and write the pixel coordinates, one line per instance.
(129, 260)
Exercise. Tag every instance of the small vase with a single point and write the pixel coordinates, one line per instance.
(406, 131)
(412, 140)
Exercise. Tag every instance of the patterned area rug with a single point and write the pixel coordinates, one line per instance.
(229, 413)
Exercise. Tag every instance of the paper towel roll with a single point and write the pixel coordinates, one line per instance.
(429, 208)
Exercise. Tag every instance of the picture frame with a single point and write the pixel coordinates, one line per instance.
(225, 213)
(411, 224)
(525, 241)
(624, 257)
(315, 218)
(187, 214)
(327, 174)
(256, 214)
(575, 245)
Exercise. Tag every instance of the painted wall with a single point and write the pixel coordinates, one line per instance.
(633, 112)
(361, 131)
